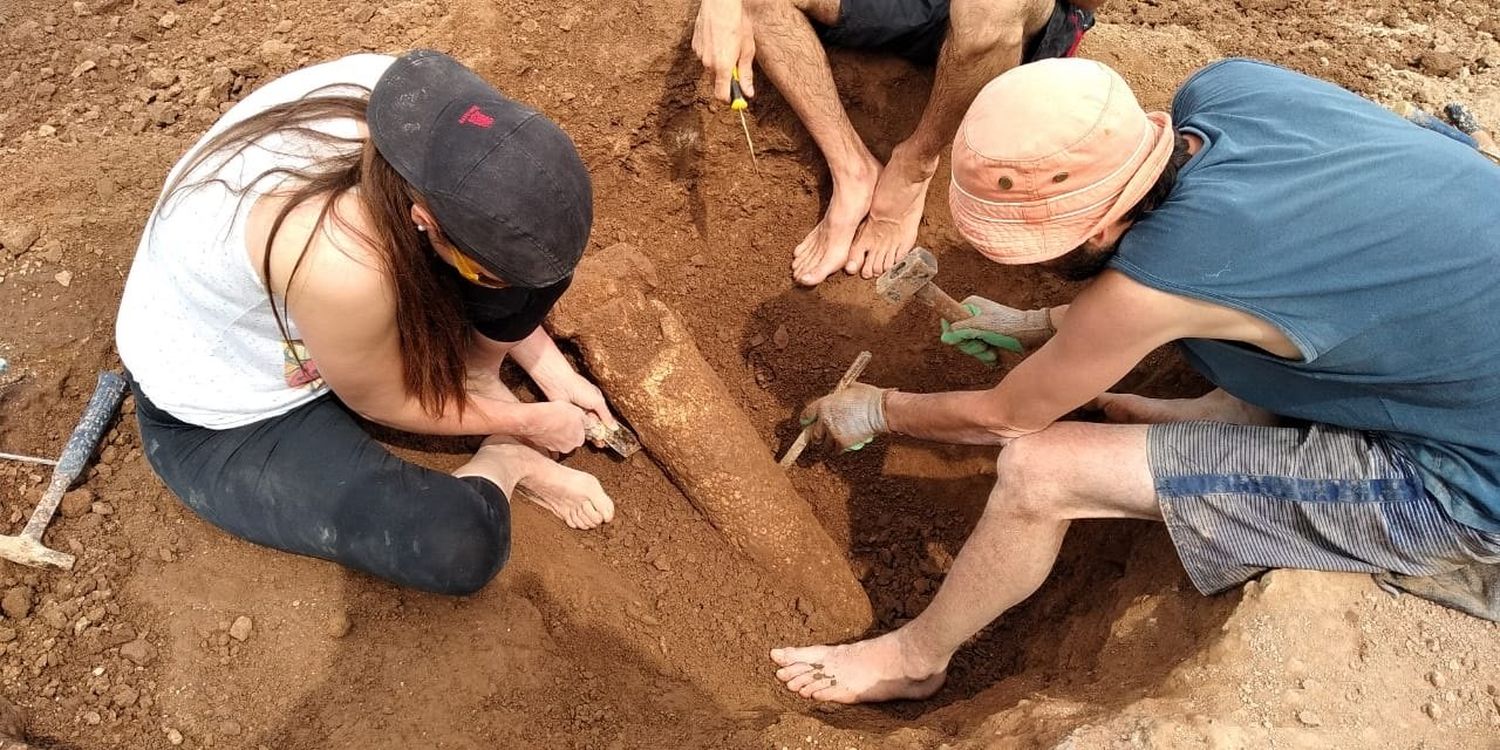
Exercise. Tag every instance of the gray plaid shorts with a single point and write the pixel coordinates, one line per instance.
(1239, 500)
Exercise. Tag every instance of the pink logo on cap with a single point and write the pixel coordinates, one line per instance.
(476, 117)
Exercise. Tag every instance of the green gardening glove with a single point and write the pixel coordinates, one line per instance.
(995, 326)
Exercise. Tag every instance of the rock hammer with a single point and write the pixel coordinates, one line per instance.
(26, 548)
(912, 277)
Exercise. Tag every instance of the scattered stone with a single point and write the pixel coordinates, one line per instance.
(1441, 64)
(7, 635)
(1433, 711)
(1437, 679)
(339, 625)
(781, 337)
(64, 277)
(160, 78)
(162, 113)
(51, 251)
(18, 238)
(46, 131)
(84, 67)
(174, 736)
(241, 628)
(125, 696)
(167, 20)
(139, 651)
(102, 509)
(276, 52)
(77, 503)
(92, 718)
(16, 603)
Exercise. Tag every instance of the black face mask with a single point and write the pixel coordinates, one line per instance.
(510, 314)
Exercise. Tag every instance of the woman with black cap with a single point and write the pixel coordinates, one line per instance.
(369, 237)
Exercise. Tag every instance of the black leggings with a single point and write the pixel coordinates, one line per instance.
(313, 482)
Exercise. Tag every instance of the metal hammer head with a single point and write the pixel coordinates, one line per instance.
(27, 551)
(907, 277)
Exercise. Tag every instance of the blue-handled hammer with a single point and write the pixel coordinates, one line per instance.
(27, 548)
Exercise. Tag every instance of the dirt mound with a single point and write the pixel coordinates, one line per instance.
(651, 632)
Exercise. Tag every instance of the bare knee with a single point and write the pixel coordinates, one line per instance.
(978, 29)
(1026, 481)
(825, 12)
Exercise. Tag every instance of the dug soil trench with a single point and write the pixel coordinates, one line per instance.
(652, 632)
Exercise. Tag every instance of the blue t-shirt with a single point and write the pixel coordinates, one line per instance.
(1373, 244)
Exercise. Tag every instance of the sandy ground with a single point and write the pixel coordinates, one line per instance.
(652, 632)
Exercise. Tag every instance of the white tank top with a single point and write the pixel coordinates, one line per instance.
(196, 328)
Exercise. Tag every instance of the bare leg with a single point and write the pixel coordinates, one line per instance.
(1070, 470)
(1215, 406)
(790, 53)
(573, 496)
(985, 38)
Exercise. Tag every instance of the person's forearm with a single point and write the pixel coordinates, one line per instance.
(483, 415)
(539, 356)
(957, 417)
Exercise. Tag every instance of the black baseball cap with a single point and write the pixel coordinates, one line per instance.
(505, 183)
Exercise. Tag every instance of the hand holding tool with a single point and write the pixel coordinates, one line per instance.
(800, 444)
(27, 548)
(993, 326)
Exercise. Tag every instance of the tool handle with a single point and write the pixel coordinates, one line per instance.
(108, 394)
(800, 444)
(947, 308)
(736, 94)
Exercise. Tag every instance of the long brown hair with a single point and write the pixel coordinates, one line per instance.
(430, 321)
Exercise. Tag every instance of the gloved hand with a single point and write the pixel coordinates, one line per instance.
(853, 416)
(996, 326)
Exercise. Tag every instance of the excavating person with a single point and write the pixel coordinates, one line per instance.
(1328, 266)
(365, 238)
(872, 217)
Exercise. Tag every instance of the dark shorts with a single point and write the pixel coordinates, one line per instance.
(1239, 500)
(915, 29)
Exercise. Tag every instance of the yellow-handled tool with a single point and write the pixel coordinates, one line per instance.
(738, 103)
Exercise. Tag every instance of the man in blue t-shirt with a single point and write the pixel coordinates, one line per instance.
(1329, 266)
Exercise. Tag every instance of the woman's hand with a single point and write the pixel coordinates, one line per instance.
(572, 388)
(553, 425)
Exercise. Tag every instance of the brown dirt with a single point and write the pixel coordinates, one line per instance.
(651, 632)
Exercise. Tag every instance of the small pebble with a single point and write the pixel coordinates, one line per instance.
(1433, 711)
(241, 628)
(1310, 718)
(64, 278)
(1437, 679)
(174, 736)
(339, 625)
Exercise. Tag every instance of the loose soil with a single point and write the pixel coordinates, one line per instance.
(652, 632)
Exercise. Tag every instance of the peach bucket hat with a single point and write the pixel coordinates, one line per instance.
(1048, 154)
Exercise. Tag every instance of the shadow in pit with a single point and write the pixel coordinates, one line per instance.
(909, 506)
(510, 666)
(679, 125)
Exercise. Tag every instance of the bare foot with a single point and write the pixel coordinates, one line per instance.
(1215, 406)
(826, 247)
(573, 496)
(895, 215)
(865, 672)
